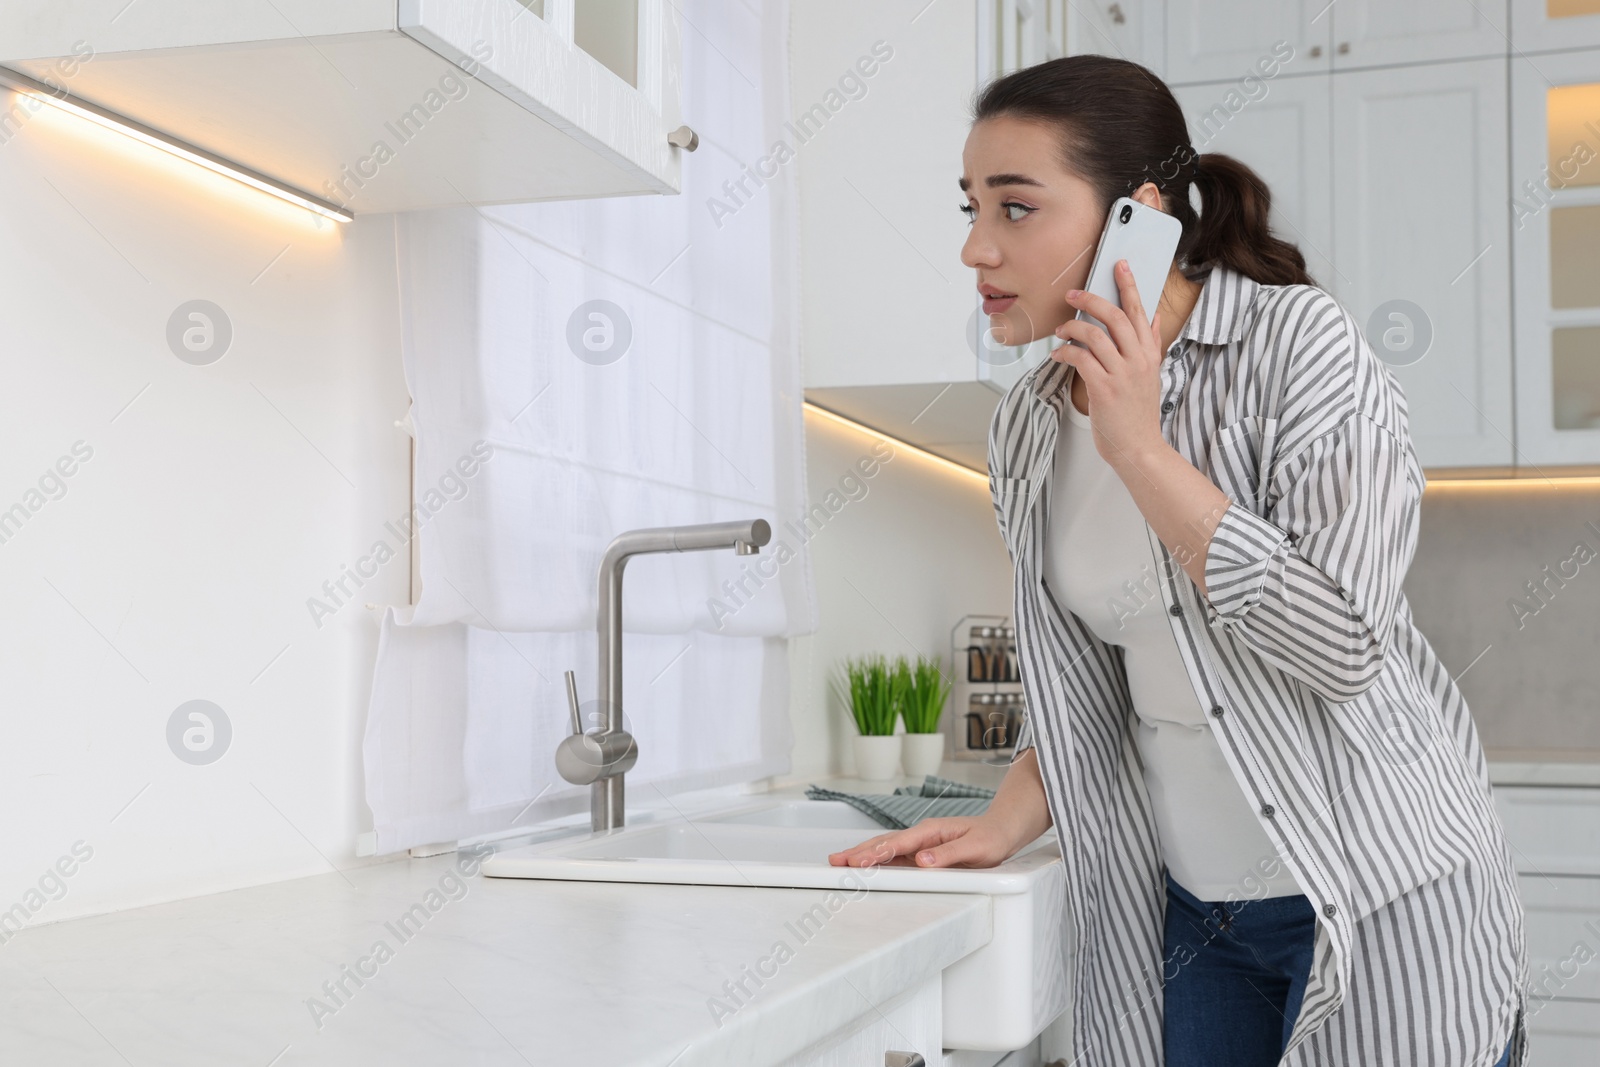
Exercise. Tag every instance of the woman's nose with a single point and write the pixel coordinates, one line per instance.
(977, 251)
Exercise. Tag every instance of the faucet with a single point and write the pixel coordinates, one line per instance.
(600, 759)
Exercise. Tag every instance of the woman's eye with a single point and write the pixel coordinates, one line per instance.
(971, 212)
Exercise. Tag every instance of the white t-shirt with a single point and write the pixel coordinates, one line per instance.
(1100, 564)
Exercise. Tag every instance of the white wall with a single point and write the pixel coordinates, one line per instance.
(217, 500)
(908, 552)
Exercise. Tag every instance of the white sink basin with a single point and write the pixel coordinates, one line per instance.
(821, 813)
(997, 998)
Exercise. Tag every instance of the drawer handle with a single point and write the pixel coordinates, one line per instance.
(904, 1059)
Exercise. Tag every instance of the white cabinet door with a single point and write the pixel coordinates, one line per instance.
(1562, 919)
(911, 1023)
(1372, 33)
(885, 299)
(1554, 831)
(1550, 25)
(1223, 40)
(1283, 136)
(1555, 227)
(1127, 29)
(1420, 245)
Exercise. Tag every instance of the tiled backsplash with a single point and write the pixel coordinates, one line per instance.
(1505, 584)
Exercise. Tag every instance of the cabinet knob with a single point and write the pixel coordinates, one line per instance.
(1316, 50)
(1344, 47)
(684, 138)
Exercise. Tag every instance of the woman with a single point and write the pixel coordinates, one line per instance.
(1273, 807)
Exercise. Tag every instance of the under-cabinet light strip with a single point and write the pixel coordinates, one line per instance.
(860, 427)
(182, 149)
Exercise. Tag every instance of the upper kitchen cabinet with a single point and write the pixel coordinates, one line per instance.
(1225, 40)
(1222, 40)
(1283, 135)
(892, 333)
(382, 105)
(1127, 29)
(1421, 250)
(1423, 267)
(1554, 25)
(1555, 234)
(1376, 33)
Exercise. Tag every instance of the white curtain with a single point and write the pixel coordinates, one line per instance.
(540, 438)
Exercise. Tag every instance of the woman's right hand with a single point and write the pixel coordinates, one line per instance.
(956, 841)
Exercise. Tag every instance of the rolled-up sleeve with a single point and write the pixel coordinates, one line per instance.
(1313, 586)
(1024, 739)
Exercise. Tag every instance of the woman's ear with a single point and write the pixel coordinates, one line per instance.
(1148, 195)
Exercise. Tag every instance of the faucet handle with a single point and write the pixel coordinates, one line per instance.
(572, 702)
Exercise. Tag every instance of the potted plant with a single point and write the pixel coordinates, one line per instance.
(922, 690)
(871, 698)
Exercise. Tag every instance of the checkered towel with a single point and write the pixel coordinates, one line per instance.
(935, 798)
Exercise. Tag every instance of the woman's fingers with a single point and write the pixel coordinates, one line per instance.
(896, 848)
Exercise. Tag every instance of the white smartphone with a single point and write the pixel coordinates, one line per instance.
(1144, 236)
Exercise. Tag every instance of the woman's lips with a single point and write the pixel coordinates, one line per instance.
(993, 305)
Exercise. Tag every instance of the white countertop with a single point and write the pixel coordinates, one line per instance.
(509, 971)
(505, 971)
(1544, 767)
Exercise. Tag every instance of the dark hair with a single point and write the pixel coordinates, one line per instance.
(1120, 126)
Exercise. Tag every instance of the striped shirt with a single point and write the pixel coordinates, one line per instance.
(1347, 735)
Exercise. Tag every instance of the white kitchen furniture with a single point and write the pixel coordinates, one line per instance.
(1214, 40)
(1555, 233)
(1551, 813)
(998, 998)
(1554, 25)
(383, 105)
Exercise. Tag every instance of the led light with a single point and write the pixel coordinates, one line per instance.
(182, 149)
(958, 468)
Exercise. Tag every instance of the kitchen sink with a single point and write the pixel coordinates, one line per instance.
(831, 814)
(997, 998)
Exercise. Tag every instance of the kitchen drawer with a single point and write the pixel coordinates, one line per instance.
(1564, 1033)
(1563, 930)
(1552, 830)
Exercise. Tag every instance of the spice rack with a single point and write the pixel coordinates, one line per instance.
(986, 694)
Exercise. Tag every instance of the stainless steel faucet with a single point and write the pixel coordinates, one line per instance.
(601, 759)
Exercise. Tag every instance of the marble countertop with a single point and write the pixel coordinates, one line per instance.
(1546, 767)
(322, 970)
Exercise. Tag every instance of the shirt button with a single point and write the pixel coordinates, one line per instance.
(1168, 406)
(1268, 810)
(1177, 609)
(1216, 709)
(1330, 910)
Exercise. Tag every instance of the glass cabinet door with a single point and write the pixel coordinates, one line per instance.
(1555, 228)
(1554, 25)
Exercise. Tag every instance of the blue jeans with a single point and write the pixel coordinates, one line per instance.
(1235, 975)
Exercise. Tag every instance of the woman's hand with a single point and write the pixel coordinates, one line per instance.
(957, 841)
(1121, 371)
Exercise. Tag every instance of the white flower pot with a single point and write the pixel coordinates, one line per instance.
(877, 756)
(921, 754)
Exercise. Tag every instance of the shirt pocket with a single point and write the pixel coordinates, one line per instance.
(1010, 496)
(1240, 458)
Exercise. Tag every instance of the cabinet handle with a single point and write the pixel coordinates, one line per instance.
(904, 1059)
(1344, 47)
(684, 138)
(1316, 50)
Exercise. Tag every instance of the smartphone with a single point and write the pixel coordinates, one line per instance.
(1144, 236)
